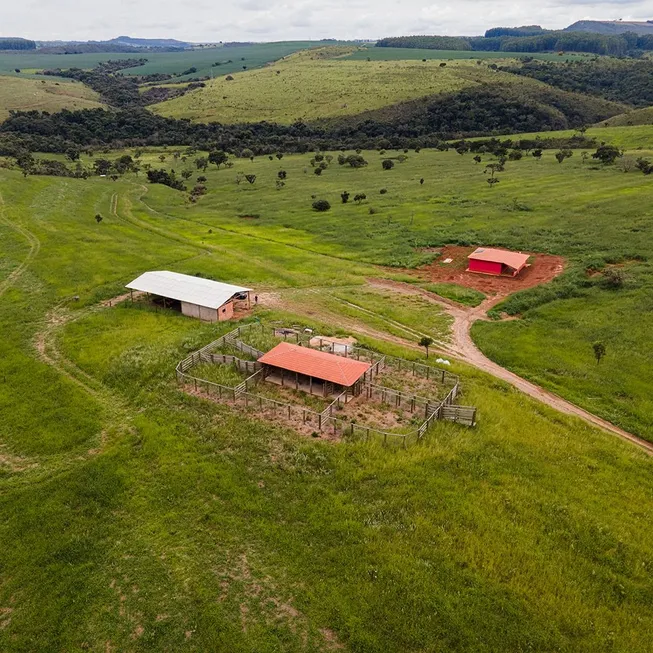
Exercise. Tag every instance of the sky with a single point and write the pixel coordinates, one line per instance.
(274, 20)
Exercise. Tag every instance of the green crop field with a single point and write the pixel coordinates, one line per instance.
(255, 55)
(139, 518)
(44, 95)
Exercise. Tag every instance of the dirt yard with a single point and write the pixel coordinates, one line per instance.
(543, 268)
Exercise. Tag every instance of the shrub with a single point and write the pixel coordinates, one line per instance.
(345, 197)
(388, 164)
(383, 191)
(321, 205)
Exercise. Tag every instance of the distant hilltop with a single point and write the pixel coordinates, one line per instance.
(150, 43)
(611, 27)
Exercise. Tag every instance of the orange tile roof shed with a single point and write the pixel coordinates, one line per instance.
(318, 364)
(514, 260)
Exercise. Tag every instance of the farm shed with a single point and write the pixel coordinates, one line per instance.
(315, 372)
(496, 261)
(211, 301)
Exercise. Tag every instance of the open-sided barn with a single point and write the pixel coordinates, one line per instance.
(496, 261)
(211, 301)
(313, 370)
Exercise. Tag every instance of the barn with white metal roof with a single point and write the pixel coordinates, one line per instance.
(205, 299)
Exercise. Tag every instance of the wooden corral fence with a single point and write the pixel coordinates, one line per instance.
(433, 409)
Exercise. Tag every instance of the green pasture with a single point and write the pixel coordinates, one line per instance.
(138, 518)
(407, 54)
(46, 94)
(587, 213)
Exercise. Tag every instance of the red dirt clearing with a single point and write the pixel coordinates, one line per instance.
(542, 268)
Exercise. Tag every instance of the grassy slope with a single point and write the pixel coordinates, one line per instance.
(394, 54)
(604, 214)
(636, 117)
(311, 89)
(195, 529)
(44, 95)
(313, 85)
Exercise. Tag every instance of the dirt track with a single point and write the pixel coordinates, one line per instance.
(461, 347)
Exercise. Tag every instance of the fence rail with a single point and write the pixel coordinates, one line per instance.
(325, 420)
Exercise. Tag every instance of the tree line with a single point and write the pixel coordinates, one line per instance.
(17, 44)
(628, 81)
(503, 40)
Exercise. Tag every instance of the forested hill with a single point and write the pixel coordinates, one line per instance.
(17, 44)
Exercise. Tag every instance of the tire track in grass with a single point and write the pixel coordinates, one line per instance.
(34, 243)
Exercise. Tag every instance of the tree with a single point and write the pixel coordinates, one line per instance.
(563, 154)
(187, 174)
(202, 163)
(280, 184)
(355, 161)
(250, 178)
(282, 174)
(477, 159)
(72, 153)
(318, 171)
(344, 197)
(607, 154)
(218, 157)
(98, 218)
(162, 157)
(359, 198)
(247, 154)
(387, 164)
(537, 154)
(102, 166)
(26, 163)
(421, 181)
(321, 205)
(644, 165)
(279, 155)
(599, 351)
(426, 342)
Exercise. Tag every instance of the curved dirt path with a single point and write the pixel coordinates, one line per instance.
(34, 243)
(463, 347)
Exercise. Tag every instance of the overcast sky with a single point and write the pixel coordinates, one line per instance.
(266, 20)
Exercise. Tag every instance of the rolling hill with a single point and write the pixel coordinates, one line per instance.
(631, 118)
(311, 87)
(610, 27)
(44, 95)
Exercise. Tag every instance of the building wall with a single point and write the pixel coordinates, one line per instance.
(226, 311)
(487, 267)
(192, 310)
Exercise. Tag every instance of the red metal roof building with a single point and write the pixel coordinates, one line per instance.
(496, 261)
(313, 364)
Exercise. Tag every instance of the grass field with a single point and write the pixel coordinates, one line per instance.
(255, 55)
(311, 89)
(44, 95)
(407, 54)
(137, 518)
(636, 117)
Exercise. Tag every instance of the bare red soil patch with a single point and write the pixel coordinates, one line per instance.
(542, 269)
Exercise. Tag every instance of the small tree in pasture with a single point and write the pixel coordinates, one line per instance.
(387, 164)
(282, 174)
(344, 197)
(360, 197)
(537, 154)
(599, 351)
(187, 174)
(321, 205)
(162, 157)
(250, 178)
(607, 154)
(426, 342)
(279, 155)
(202, 163)
(201, 179)
(218, 158)
(98, 218)
(477, 159)
(563, 154)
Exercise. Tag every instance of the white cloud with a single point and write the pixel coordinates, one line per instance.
(231, 20)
